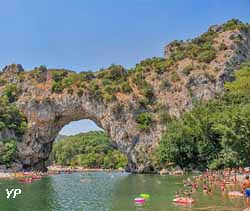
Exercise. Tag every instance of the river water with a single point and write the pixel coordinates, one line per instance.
(102, 191)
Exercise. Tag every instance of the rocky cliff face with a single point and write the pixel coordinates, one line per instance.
(132, 106)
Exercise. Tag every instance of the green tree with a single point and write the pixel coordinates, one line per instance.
(8, 150)
(90, 150)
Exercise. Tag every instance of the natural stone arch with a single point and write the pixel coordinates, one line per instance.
(47, 118)
(47, 112)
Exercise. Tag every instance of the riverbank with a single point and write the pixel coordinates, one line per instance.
(58, 168)
(55, 169)
(20, 175)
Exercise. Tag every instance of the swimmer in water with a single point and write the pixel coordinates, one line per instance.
(222, 188)
(209, 191)
(205, 188)
(246, 189)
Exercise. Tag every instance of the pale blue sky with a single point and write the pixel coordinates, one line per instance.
(91, 34)
(79, 126)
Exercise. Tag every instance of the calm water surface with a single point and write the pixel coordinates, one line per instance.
(107, 192)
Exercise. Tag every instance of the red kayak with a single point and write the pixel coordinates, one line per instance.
(26, 180)
(36, 177)
(183, 200)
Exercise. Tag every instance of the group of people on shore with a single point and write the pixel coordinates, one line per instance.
(234, 182)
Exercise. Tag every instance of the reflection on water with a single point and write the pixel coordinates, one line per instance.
(107, 192)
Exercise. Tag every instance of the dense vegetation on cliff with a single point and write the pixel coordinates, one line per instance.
(90, 150)
(12, 127)
(213, 134)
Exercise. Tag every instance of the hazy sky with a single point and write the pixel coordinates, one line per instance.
(90, 34)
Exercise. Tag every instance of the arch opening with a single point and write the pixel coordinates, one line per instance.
(83, 144)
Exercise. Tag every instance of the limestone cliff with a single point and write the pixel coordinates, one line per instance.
(133, 106)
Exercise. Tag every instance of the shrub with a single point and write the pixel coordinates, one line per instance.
(94, 86)
(2, 125)
(240, 87)
(11, 117)
(114, 72)
(147, 91)
(169, 62)
(11, 91)
(207, 56)
(233, 24)
(58, 75)
(67, 82)
(125, 87)
(8, 151)
(161, 65)
(178, 55)
(106, 82)
(158, 64)
(57, 87)
(192, 49)
(94, 89)
(109, 97)
(110, 89)
(144, 121)
(160, 68)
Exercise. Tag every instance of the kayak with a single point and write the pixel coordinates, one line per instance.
(18, 175)
(36, 177)
(27, 173)
(183, 200)
(25, 180)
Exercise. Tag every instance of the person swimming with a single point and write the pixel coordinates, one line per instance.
(209, 191)
(246, 189)
(205, 188)
(222, 186)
